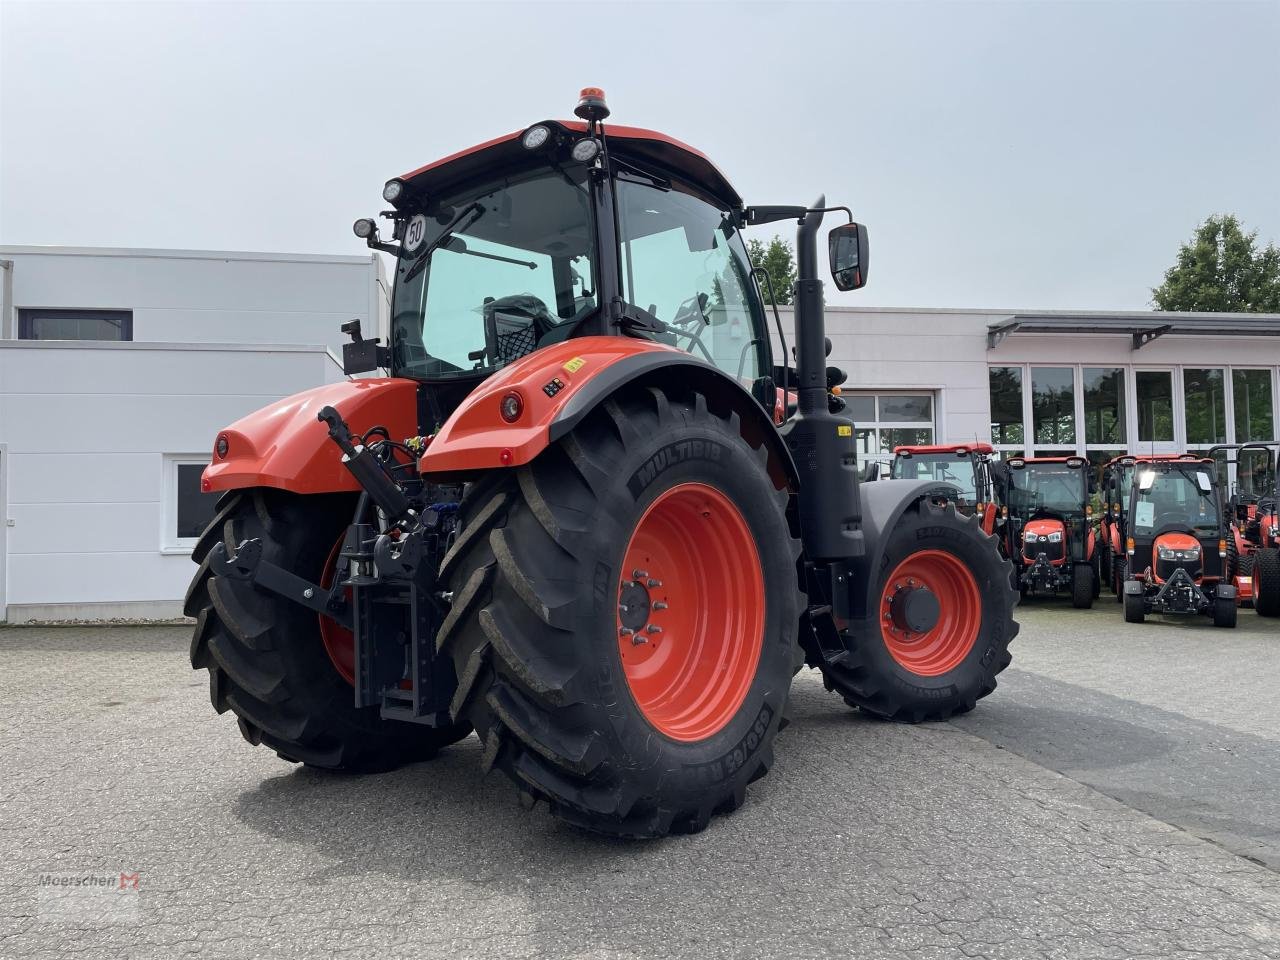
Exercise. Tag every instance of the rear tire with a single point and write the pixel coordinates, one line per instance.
(1082, 586)
(266, 659)
(907, 687)
(1224, 611)
(1135, 610)
(541, 599)
(1266, 582)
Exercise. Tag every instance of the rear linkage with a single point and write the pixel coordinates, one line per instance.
(391, 564)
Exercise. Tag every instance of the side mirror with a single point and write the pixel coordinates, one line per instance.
(849, 253)
(871, 471)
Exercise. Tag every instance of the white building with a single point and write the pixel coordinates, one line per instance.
(118, 367)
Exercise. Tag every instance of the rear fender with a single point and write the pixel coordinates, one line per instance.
(561, 384)
(284, 446)
(883, 504)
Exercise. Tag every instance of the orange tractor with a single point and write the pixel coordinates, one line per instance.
(1254, 540)
(575, 517)
(966, 466)
(1049, 534)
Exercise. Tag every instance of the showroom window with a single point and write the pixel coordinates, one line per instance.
(51, 324)
(1205, 400)
(187, 510)
(887, 420)
(1154, 390)
(1053, 407)
(1104, 406)
(1254, 418)
(1006, 406)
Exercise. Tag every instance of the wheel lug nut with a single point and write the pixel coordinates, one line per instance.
(655, 583)
(639, 574)
(625, 632)
(653, 628)
(623, 607)
(659, 605)
(638, 639)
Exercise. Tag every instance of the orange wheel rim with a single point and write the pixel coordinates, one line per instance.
(339, 642)
(941, 647)
(691, 612)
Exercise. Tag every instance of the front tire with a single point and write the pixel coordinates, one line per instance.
(657, 513)
(1224, 612)
(266, 655)
(1135, 609)
(896, 675)
(1082, 586)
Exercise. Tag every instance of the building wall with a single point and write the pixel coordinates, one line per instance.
(87, 427)
(204, 296)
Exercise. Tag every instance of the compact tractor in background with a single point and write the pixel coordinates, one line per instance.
(1049, 534)
(967, 466)
(1254, 519)
(1177, 542)
(575, 516)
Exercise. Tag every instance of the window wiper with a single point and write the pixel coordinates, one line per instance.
(420, 262)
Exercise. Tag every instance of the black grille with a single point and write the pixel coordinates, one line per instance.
(1165, 568)
(1052, 551)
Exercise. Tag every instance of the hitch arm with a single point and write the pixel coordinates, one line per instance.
(247, 566)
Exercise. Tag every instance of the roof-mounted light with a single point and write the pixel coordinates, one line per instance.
(591, 105)
(393, 191)
(536, 137)
(584, 151)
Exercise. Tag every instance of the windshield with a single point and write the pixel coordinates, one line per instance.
(1181, 498)
(515, 273)
(1123, 480)
(1255, 473)
(684, 262)
(950, 468)
(1047, 487)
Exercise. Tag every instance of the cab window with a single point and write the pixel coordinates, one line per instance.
(684, 262)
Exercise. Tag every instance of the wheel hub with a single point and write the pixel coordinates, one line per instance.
(634, 604)
(914, 609)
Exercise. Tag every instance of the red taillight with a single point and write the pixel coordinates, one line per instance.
(511, 407)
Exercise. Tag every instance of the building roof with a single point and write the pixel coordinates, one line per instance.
(1141, 327)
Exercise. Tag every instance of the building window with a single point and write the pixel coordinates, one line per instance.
(1104, 403)
(1204, 394)
(1006, 405)
(49, 324)
(187, 510)
(1053, 406)
(1251, 397)
(1155, 405)
(888, 420)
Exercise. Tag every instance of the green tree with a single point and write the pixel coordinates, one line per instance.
(1220, 270)
(777, 260)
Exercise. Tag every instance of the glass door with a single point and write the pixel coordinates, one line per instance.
(1154, 422)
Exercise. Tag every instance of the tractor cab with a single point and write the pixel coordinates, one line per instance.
(1117, 477)
(1253, 518)
(964, 466)
(1050, 527)
(1177, 542)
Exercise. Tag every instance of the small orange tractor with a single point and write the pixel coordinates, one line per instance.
(1254, 519)
(575, 517)
(1178, 542)
(966, 466)
(1049, 533)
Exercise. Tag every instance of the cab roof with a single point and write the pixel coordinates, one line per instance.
(637, 143)
(945, 448)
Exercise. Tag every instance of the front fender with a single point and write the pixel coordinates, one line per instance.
(883, 504)
(284, 446)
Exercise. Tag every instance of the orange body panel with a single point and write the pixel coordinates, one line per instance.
(284, 446)
(1173, 541)
(476, 437)
(1042, 528)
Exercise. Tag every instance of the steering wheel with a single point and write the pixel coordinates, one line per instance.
(1170, 518)
(691, 311)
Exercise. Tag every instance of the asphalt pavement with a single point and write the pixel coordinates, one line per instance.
(1115, 797)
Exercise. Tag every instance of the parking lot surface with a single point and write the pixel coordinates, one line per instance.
(1114, 798)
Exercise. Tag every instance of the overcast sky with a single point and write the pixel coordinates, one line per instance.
(1032, 155)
